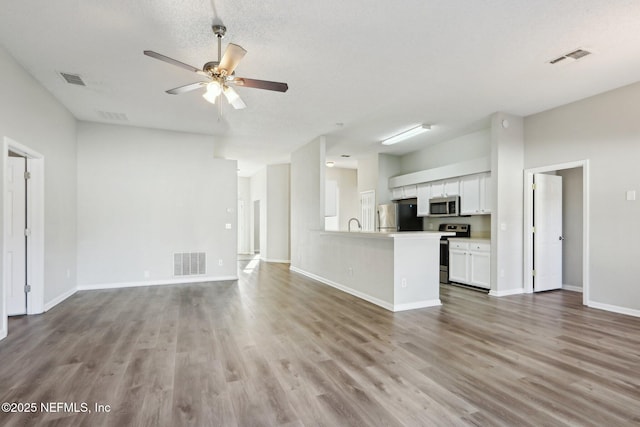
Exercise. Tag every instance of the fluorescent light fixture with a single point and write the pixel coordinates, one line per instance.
(407, 134)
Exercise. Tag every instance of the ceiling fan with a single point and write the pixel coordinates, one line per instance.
(221, 74)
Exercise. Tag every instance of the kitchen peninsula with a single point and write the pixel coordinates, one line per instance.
(397, 271)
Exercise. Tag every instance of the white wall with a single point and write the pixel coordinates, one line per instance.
(270, 185)
(605, 130)
(388, 166)
(466, 147)
(572, 226)
(145, 194)
(507, 160)
(307, 202)
(31, 116)
(348, 197)
(278, 211)
(244, 226)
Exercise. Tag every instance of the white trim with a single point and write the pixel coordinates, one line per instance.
(417, 304)
(614, 308)
(571, 288)
(361, 295)
(48, 306)
(198, 279)
(280, 261)
(506, 292)
(3, 333)
(528, 222)
(35, 222)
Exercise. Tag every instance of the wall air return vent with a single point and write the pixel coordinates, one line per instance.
(189, 263)
(571, 56)
(73, 79)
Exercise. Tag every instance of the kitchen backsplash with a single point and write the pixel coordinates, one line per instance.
(480, 224)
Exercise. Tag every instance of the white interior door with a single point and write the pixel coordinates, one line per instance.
(547, 238)
(15, 255)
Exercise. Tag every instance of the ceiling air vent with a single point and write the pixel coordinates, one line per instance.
(73, 79)
(108, 115)
(571, 56)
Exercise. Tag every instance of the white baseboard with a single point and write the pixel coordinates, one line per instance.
(3, 334)
(614, 308)
(571, 288)
(280, 261)
(57, 300)
(506, 293)
(418, 304)
(197, 279)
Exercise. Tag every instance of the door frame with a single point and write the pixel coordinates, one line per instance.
(528, 222)
(35, 223)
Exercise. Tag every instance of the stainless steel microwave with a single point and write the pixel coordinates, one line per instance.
(444, 206)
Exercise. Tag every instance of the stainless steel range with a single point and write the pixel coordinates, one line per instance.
(461, 230)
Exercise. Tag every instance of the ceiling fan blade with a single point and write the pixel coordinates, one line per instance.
(186, 88)
(260, 84)
(175, 62)
(231, 58)
(233, 98)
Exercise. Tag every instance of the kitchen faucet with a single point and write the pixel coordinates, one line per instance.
(357, 222)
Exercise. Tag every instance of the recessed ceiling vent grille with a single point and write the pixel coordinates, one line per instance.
(189, 263)
(73, 79)
(571, 56)
(108, 115)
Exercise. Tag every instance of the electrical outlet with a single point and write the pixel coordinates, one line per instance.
(147, 274)
(68, 273)
(350, 271)
(403, 282)
(220, 263)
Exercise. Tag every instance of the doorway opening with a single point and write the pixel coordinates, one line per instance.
(24, 221)
(552, 255)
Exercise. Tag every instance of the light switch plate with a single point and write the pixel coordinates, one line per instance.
(227, 226)
(631, 195)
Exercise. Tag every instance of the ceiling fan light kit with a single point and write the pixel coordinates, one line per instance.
(410, 133)
(221, 74)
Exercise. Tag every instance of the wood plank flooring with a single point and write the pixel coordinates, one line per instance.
(278, 349)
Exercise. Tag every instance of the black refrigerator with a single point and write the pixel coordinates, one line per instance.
(407, 214)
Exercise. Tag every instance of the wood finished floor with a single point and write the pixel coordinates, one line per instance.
(278, 349)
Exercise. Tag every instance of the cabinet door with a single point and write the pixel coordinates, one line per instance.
(458, 269)
(410, 191)
(397, 193)
(437, 189)
(486, 194)
(470, 195)
(424, 194)
(480, 269)
(451, 187)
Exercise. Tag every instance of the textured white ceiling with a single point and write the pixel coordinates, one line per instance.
(376, 67)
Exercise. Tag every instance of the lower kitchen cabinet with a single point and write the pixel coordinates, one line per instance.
(470, 262)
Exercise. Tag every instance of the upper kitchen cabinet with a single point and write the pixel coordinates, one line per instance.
(406, 192)
(476, 194)
(445, 188)
(424, 194)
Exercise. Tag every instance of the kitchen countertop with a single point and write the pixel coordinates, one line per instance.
(392, 235)
(470, 239)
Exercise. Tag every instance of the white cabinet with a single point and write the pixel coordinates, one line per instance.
(406, 192)
(470, 262)
(445, 188)
(424, 194)
(475, 194)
